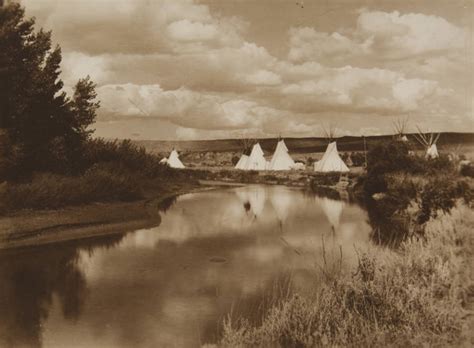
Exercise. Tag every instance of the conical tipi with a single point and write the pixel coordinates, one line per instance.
(429, 142)
(256, 161)
(174, 161)
(242, 163)
(432, 152)
(399, 126)
(281, 160)
(331, 162)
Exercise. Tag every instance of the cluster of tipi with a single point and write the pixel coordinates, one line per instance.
(427, 140)
(281, 160)
(330, 162)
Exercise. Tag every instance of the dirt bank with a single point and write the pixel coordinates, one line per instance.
(36, 227)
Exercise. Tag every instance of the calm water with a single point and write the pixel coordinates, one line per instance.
(214, 253)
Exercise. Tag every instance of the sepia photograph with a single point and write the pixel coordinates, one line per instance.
(236, 173)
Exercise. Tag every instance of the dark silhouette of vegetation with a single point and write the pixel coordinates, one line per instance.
(48, 158)
(46, 128)
(358, 159)
(467, 170)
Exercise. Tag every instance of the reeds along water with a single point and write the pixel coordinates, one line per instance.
(417, 296)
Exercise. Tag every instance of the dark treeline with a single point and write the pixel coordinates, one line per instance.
(45, 129)
(48, 158)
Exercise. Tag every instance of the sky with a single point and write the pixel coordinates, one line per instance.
(210, 69)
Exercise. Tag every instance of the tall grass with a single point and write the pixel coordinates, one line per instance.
(415, 297)
(107, 171)
(48, 191)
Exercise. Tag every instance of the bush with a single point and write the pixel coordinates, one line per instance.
(467, 170)
(125, 154)
(329, 179)
(358, 159)
(374, 184)
(392, 156)
(441, 164)
(48, 191)
(440, 195)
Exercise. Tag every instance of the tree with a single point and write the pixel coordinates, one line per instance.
(40, 118)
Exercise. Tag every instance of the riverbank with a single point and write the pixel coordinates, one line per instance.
(421, 295)
(36, 227)
(25, 227)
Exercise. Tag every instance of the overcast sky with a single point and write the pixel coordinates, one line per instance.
(169, 69)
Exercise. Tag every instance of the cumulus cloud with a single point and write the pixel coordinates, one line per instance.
(308, 43)
(263, 77)
(357, 89)
(186, 108)
(135, 26)
(385, 35)
(398, 35)
(200, 73)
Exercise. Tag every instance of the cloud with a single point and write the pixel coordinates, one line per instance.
(183, 107)
(359, 90)
(263, 77)
(185, 30)
(200, 73)
(388, 35)
(395, 35)
(135, 26)
(307, 43)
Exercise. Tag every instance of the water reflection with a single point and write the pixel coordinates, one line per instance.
(214, 253)
(30, 278)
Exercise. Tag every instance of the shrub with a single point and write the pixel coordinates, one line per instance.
(440, 195)
(127, 155)
(392, 156)
(46, 191)
(441, 164)
(374, 184)
(358, 159)
(329, 179)
(467, 170)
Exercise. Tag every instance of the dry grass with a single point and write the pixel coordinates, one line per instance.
(417, 296)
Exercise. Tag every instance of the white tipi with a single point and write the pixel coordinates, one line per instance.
(173, 160)
(281, 160)
(432, 152)
(399, 126)
(331, 162)
(256, 161)
(429, 142)
(242, 163)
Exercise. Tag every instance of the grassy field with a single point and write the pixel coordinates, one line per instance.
(421, 295)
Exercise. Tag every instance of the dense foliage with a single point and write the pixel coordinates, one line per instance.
(45, 128)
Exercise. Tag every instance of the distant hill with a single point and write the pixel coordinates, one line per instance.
(298, 145)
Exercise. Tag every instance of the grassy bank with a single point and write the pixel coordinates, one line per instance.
(111, 171)
(417, 296)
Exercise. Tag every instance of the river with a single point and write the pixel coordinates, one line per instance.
(216, 253)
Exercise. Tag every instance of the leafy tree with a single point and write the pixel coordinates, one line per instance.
(43, 123)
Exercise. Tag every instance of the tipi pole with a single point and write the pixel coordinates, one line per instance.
(365, 151)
